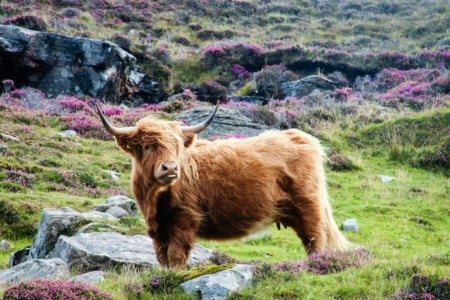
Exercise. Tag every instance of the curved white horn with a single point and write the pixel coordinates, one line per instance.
(111, 128)
(197, 128)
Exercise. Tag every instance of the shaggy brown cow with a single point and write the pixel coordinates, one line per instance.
(225, 189)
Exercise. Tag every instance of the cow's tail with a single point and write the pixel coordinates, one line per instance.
(335, 240)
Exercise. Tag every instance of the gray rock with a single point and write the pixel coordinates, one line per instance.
(227, 122)
(219, 285)
(90, 277)
(3, 148)
(59, 64)
(306, 85)
(350, 225)
(52, 224)
(5, 245)
(97, 227)
(19, 256)
(67, 133)
(100, 250)
(385, 178)
(10, 137)
(117, 211)
(34, 269)
(114, 174)
(98, 215)
(122, 201)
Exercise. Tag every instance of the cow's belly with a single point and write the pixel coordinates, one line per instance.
(230, 228)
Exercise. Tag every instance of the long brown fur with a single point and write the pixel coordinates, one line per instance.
(228, 189)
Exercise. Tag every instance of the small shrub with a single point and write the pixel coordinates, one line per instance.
(22, 178)
(434, 159)
(164, 283)
(424, 287)
(240, 71)
(247, 89)
(8, 85)
(220, 258)
(262, 271)
(270, 78)
(211, 91)
(339, 162)
(174, 106)
(45, 289)
(135, 289)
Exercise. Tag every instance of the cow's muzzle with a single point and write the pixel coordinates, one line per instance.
(167, 172)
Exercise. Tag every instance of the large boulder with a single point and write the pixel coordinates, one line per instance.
(100, 250)
(52, 224)
(34, 269)
(60, 64)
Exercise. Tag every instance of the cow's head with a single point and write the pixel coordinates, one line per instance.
(157, 147)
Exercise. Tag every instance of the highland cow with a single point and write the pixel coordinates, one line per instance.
(225, 189)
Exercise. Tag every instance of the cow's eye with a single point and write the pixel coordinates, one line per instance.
(149, 147)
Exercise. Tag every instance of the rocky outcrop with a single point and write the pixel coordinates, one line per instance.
(59, 64)
(227, 122)
(90, 254)
(88, 241)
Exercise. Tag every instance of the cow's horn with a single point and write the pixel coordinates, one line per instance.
(201, 126)
(111, 128)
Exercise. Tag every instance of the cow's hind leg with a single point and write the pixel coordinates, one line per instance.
(304, 216)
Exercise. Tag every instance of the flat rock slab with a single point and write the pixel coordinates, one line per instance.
(102, 250)
(34, 269)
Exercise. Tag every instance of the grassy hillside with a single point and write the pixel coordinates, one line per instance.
(393, 122)
(171, 38)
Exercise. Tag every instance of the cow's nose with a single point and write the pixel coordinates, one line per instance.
(169, 167)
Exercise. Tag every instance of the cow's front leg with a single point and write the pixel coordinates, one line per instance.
(182, 238)
(161, 252)
(179, 249)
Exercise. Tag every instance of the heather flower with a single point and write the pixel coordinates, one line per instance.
(46, 289)
(325, 263)
(240, 71)
(151, 107)
(85, 125)
(21, 178)
(343, 94)
(8, 85)
(112, 111)
(213, 50)
(17, 93)
(424, 288)
(73, 104)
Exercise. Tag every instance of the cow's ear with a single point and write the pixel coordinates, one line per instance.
(189, 138)
(125, 145)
